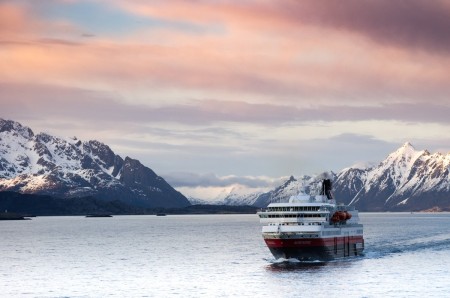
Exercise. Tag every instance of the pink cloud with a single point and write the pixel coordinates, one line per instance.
(13, 21)
(48, 102)
(291, 56)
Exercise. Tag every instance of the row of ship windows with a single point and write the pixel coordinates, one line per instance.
(329, 233)
(297, 236)
(290, 215)
(296, 224)
(308, 208)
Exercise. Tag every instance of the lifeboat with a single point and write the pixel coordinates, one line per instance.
(341, 216)
(336, 216)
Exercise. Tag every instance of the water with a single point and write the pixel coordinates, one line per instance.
(407, 255)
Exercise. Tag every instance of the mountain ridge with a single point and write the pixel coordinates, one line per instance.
(68, 167)
(406, 180)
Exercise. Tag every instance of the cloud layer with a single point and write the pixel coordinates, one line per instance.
(235, 88)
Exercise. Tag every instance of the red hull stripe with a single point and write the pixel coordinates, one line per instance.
(309, 242)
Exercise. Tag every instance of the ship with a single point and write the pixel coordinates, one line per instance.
(312, 228)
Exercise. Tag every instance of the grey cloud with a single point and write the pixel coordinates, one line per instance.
(28, 102)
(414, 23)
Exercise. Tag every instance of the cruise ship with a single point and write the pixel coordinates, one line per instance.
(312, 227)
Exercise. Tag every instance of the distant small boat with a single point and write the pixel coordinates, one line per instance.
(160, 214)
(99, 215)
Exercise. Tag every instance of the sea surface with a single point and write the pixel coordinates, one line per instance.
(407, 255)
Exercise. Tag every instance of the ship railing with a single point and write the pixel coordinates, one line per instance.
(294, 221)
(295, 209)
(321, 211)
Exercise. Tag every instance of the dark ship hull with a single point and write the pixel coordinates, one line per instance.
(317, 249)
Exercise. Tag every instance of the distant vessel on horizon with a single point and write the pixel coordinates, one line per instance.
(312, 228)
(99, 215)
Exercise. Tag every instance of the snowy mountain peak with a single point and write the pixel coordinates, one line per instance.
(15, 128)
(408, 145)
(405, 150)
(403, 157)
(289, 181)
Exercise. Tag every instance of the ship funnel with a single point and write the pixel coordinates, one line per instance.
(326, 188)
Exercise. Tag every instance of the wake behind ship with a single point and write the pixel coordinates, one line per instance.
(312, 228)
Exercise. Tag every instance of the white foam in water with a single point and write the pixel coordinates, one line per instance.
(283, 260)
(291, 261)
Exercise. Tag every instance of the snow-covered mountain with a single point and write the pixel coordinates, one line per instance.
(68, 167)
(234, 195)
(406, 180)
(239, 195)
(289, 187)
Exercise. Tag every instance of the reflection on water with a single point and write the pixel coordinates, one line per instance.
(292, 265)
(295, 266)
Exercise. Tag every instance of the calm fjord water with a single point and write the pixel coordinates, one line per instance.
(407, 255)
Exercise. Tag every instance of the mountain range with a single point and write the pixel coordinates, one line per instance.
(407, 180)
(67, 168)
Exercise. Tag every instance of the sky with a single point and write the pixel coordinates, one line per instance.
(210, 94)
